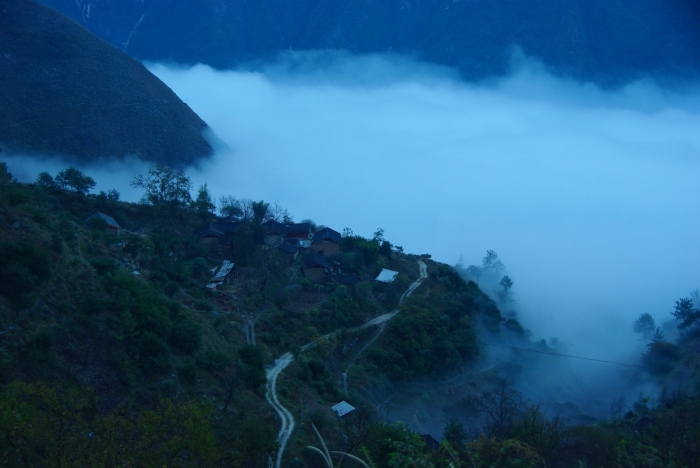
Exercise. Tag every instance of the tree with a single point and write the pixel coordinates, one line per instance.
(73, 179)
(502, 405)
(491, 264)
(204, 205)
(164, 187)
(506, 283)
(5, 180)
(644, 325)
(658, 336)
(685, 312)
(45, 180)
(454, 433)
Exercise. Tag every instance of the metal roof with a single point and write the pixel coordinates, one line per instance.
(223, 272)
(108, 219)
(343, 408)
(387, 276)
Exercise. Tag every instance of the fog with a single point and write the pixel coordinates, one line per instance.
(590, 197)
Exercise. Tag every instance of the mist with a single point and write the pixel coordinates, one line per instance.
(590, 197)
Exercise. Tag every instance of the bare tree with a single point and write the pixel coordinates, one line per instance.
(502, 405)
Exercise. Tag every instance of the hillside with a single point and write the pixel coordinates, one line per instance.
(609, 42)
(64, 91)
(118, 339)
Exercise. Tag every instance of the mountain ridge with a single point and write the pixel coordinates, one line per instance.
(66, 92)
(607, 42)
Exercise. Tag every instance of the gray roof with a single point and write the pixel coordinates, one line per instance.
(223, 272)
(314, 260)
(343, 408)
(108, 219)
(327, 234)
(387, 276)
(221, 229)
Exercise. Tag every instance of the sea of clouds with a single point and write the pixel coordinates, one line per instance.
(591, 197)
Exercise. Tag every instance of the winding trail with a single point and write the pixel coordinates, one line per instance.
(280, 364)
(381, 321)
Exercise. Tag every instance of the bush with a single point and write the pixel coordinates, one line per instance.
(188, 372)
(213, 361)
(23, 267)
(152, 354)
(186, 336)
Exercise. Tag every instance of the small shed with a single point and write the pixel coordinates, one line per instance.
(387, 276)
(111, 223)
(326, 242)
(343, 408)
(315, 267)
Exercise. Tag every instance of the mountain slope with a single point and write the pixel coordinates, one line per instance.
(65, 91)
(606, 41)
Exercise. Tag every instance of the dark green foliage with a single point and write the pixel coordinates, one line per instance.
(644, 325)
(252, 370)
(417, 342)
(344, 309)
(213, 361)
(75, 180)
(23, 267)
(661, 357)
(45, 180)
(454, 433)
(151, 353)
(514, 326)
(188, 372)
(185, 336)
(685, 313)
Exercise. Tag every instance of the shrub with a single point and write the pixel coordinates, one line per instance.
(152, 354)
(186, 336)
(213, 361)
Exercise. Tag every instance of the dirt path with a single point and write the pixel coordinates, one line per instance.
(381, 321)
(286, 359)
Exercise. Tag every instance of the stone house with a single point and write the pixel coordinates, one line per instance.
(326, 242)
(315, 267)
(215, 236)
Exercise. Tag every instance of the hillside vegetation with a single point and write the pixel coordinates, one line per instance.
(114, 353)
(63, 91)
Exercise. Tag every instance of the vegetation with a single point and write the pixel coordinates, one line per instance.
(113, 352)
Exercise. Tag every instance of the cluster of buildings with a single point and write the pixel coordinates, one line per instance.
(316, 248)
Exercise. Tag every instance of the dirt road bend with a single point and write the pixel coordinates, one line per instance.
(280, 364)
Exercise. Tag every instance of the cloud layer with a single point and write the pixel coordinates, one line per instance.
(591, 198)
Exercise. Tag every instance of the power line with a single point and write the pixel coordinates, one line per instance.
(570, 356)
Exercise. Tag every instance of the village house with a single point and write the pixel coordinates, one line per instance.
(278, 232)
(315, 267)
(111, 223)
(326, 242)
(215, 236)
